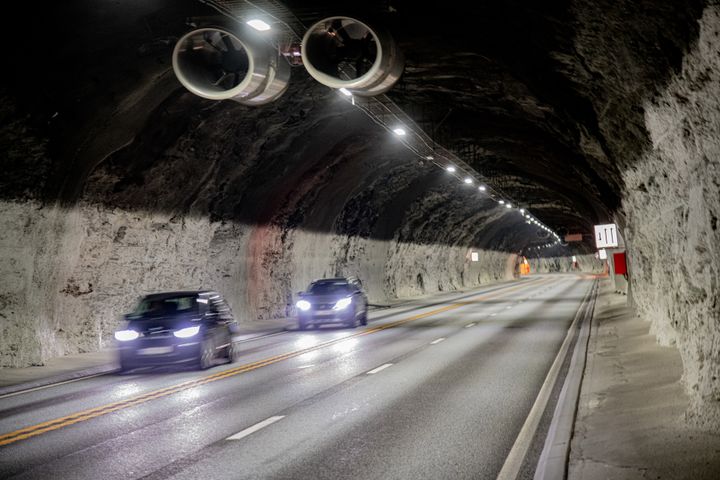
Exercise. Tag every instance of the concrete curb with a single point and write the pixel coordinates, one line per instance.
(59, 378)
(553, 462)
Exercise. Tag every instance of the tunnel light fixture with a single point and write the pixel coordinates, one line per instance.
(482, 188)
(468, 180)
(400, 132)
(345, 92)
(429, 157)
(522, 211)
(508, 205)
(258, 25)
(450, 169)
(501, 202)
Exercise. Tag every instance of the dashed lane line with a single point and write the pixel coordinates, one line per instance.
(55, 424)
(255, 428)
(379, 369)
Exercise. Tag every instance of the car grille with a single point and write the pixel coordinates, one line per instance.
(324, 306)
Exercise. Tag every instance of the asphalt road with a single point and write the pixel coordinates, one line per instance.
(430, 390)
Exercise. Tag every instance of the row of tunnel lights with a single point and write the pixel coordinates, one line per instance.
(468, 180)
(529, 219)
(400, 131)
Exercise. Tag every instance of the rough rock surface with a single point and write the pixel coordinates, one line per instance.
(116, 181)
(672, 205)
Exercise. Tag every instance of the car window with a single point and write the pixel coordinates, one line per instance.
(329, 288)
(167, 306)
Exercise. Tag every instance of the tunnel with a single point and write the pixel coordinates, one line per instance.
(495, 135)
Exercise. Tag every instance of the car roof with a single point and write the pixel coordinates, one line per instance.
(332, 280)
(183, 293)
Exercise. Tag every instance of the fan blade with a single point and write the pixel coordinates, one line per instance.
(228, 43)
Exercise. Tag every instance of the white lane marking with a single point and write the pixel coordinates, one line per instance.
(515, 458)
(435, 342)
(379, 369)
(255, 428)
(470, 325)
(307, 366)
(43, 387)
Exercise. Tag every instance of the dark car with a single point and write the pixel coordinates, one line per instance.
(332, 300)
(175, 328)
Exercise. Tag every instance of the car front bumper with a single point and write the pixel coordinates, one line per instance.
(154, 352)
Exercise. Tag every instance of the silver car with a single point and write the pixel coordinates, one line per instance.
(332, 300)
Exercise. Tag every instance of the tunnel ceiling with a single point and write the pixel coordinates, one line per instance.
(545, 99)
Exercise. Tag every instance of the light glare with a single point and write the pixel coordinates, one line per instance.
(187, 332)
(450, 169)
(399, 131)
(468, 180)
(126, 335)
(303, 305)
(343, 303)
(345, 91)
(258, 24)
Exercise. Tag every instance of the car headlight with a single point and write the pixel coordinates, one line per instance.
(303, 305)
(187, 332)
(343, 303)
(126, 335)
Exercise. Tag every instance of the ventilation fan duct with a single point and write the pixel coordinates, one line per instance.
(220, 64)
(342, 52)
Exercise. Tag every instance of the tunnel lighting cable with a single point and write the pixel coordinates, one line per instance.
(378, 109)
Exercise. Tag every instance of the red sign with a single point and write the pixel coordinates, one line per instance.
(620, 265)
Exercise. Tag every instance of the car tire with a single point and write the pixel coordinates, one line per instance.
(124, 369)
(364, 319)
(207, 355)
(302, 325)
(233, 352)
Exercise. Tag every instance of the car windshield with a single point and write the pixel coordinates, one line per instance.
(167, 305)
(329, 288)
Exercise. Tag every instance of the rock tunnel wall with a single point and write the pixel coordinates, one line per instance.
(256, 214)
(116, 182)
(672, 204)
(585, 264)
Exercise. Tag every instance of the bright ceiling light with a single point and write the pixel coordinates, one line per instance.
(258, 24)
(522, 210)
(399, 131)
(508, 206)
(429, 157)
(501, 202)
(450, 169)
(482, 188)
(468, 180)
(345, 91)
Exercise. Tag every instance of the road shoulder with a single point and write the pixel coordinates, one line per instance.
(631, 416)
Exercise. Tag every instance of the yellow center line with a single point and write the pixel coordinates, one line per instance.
(84, 415)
